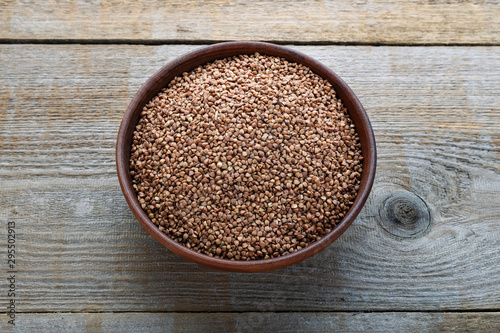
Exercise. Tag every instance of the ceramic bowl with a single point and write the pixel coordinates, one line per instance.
(219, 51)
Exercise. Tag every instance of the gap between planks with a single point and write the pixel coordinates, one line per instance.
(211, 41)
(497, 311)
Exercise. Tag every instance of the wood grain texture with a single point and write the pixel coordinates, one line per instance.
(256, 322)
(372, 21)
(437, 124)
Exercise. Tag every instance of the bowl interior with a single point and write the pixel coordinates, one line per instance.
(218, 51)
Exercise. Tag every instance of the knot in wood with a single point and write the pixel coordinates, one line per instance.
(403, 214)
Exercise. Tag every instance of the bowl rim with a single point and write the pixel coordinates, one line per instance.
(219, 51)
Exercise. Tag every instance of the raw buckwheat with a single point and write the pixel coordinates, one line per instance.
(244, 158)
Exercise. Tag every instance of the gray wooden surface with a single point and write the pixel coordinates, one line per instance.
(304, 21)
(251, 322)
(84, 263)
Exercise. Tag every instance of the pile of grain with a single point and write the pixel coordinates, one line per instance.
(249, 157)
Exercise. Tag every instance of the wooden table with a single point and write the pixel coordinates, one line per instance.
(428, 74)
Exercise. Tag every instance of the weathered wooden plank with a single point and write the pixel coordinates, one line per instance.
(256, 322)
(436, 118)
(373, 21)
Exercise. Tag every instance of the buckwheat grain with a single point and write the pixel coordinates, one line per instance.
(245, 158)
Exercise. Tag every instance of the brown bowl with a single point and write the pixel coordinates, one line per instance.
(218, 51)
